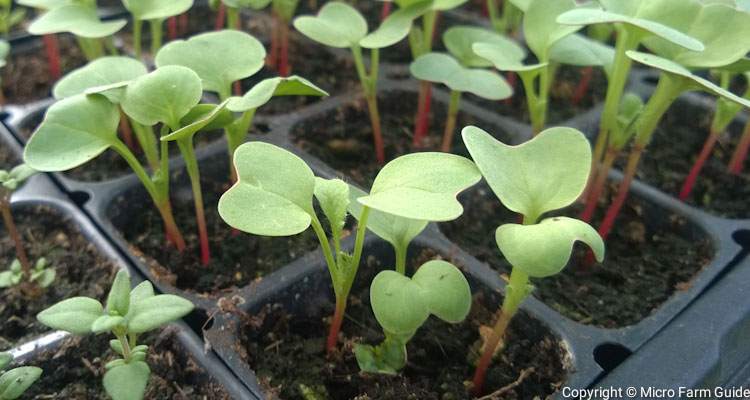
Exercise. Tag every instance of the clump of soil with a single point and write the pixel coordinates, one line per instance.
(74, 371)
(650, 255)
(343, 138)
(80, 267)
(236, 258)
(26, 77)
(673, 150)
(287, 353)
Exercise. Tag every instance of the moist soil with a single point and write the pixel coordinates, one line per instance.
(287, 353)
(74, 370)
(236, 258)
(81, 270)
(8, 159)
(673, 150)
(26, 77)
(110, 164)
(647, 260)
(343, 137)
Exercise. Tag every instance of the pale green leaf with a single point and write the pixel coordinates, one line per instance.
(333, 198)
(581, 51)
(442, 68)
(43, 4)
(201, 123)
(74, 131)
(274, 193)
(506, 58)
(398, 303)
(540, 26)
(118, 299)
(77, 19)
(127, 381)
(74, 315)
(543, 174)
(156, 9)
(152, 312)
(395, 27)
(104, 71)
(543, 249)
(460, 39)
(16, 381)
(266, 89)
(337, 25)
(253, 4)
(446, 290)
(106, 323)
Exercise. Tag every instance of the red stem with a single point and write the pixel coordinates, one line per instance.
(385, 11)
(489, 352)
(424, 103)
(126, 131)
(705, 153)
(183, 23)
(740, 153)
(220, 17)
(592, 199)
(284, 69)
(273, 56)
(338, 318)
(583, 85)
(512, 79)
(10, 225)
(377, 135)
(173, 233)
(622, 191)
(172, 28)
(203, 234)
(53, 56)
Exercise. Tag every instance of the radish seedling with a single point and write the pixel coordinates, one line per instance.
(127, 314)
(461, 72)
(275, 191)
(552, 44)
(20, 272)
(155, 12)
(339, 25)
(16, 381)
(544, 174)
(81, 20)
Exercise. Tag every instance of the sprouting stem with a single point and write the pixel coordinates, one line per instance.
(598, 183)
(233, 18)
(401, 251)
(450, 122)
(53, 55)
(235, 135)
(122, 338)
(147, 141)
(369, 87)
(137, 34)
(10, 225)
(191, 164)
(740, 153)
(156, 35)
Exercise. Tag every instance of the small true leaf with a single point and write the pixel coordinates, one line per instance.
(74, 315)
(543, 249)
(118, 300)
(201, 123)
(105, 323)
(273, 195)
(5, 360)
(127, 381)
(15, 382)
(422, 186)
(333, 197)
(153, 312)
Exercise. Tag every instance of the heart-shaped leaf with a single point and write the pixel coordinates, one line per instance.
(697, 82)
(422, 186)
(16, 381)
(100, 72)
(543, 249)
(152, 312)
(722, 46)
(540, 26)
(337, 24)
(273, 195)
(644, 15)
(261, 93)
(127, 381)
(77, 19)
(398, 231)
(401, 305)
(442, 68)
(460, 39)
(156, 9)
(206, 54)
(74, 315)
(200, 118)
(165, 95)
(74, 131)
(546, 173)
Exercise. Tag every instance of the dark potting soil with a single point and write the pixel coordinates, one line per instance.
(26, 77)
(236, 258)
(110, 164)
(74, 370)
(287, 353)
(673, 150)
(81, 270)
(8, 159)
(343, 137)
(646, 261)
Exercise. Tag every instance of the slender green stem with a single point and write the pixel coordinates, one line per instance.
(191, 164)
(137, 37)
(126, 351)
(233, 18)
(401, 251)
(147, 141)
(326, 246)
(156, 35)
(92, 48)
(428, 30)
(358, 246)
(364, 78)
(123, 150)
(528, 78)
(10, 226)
(450, 121)
(493, 12)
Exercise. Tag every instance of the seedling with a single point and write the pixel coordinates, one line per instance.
(340, 25)
(14, 382)
(155, 12)
(206, 55)
(552, 44)
(544, 174)
(461, 72)
(20, 272)
(128, 314)
(719, 47)
(79, 19)
(274, 197)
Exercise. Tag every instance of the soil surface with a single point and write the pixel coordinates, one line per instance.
(343, 137)
(26, 77)
(236, 258)
(287, 353)
(7, 158)
(673, 150)
(650, 255)
(81, 270)
(75, 370)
